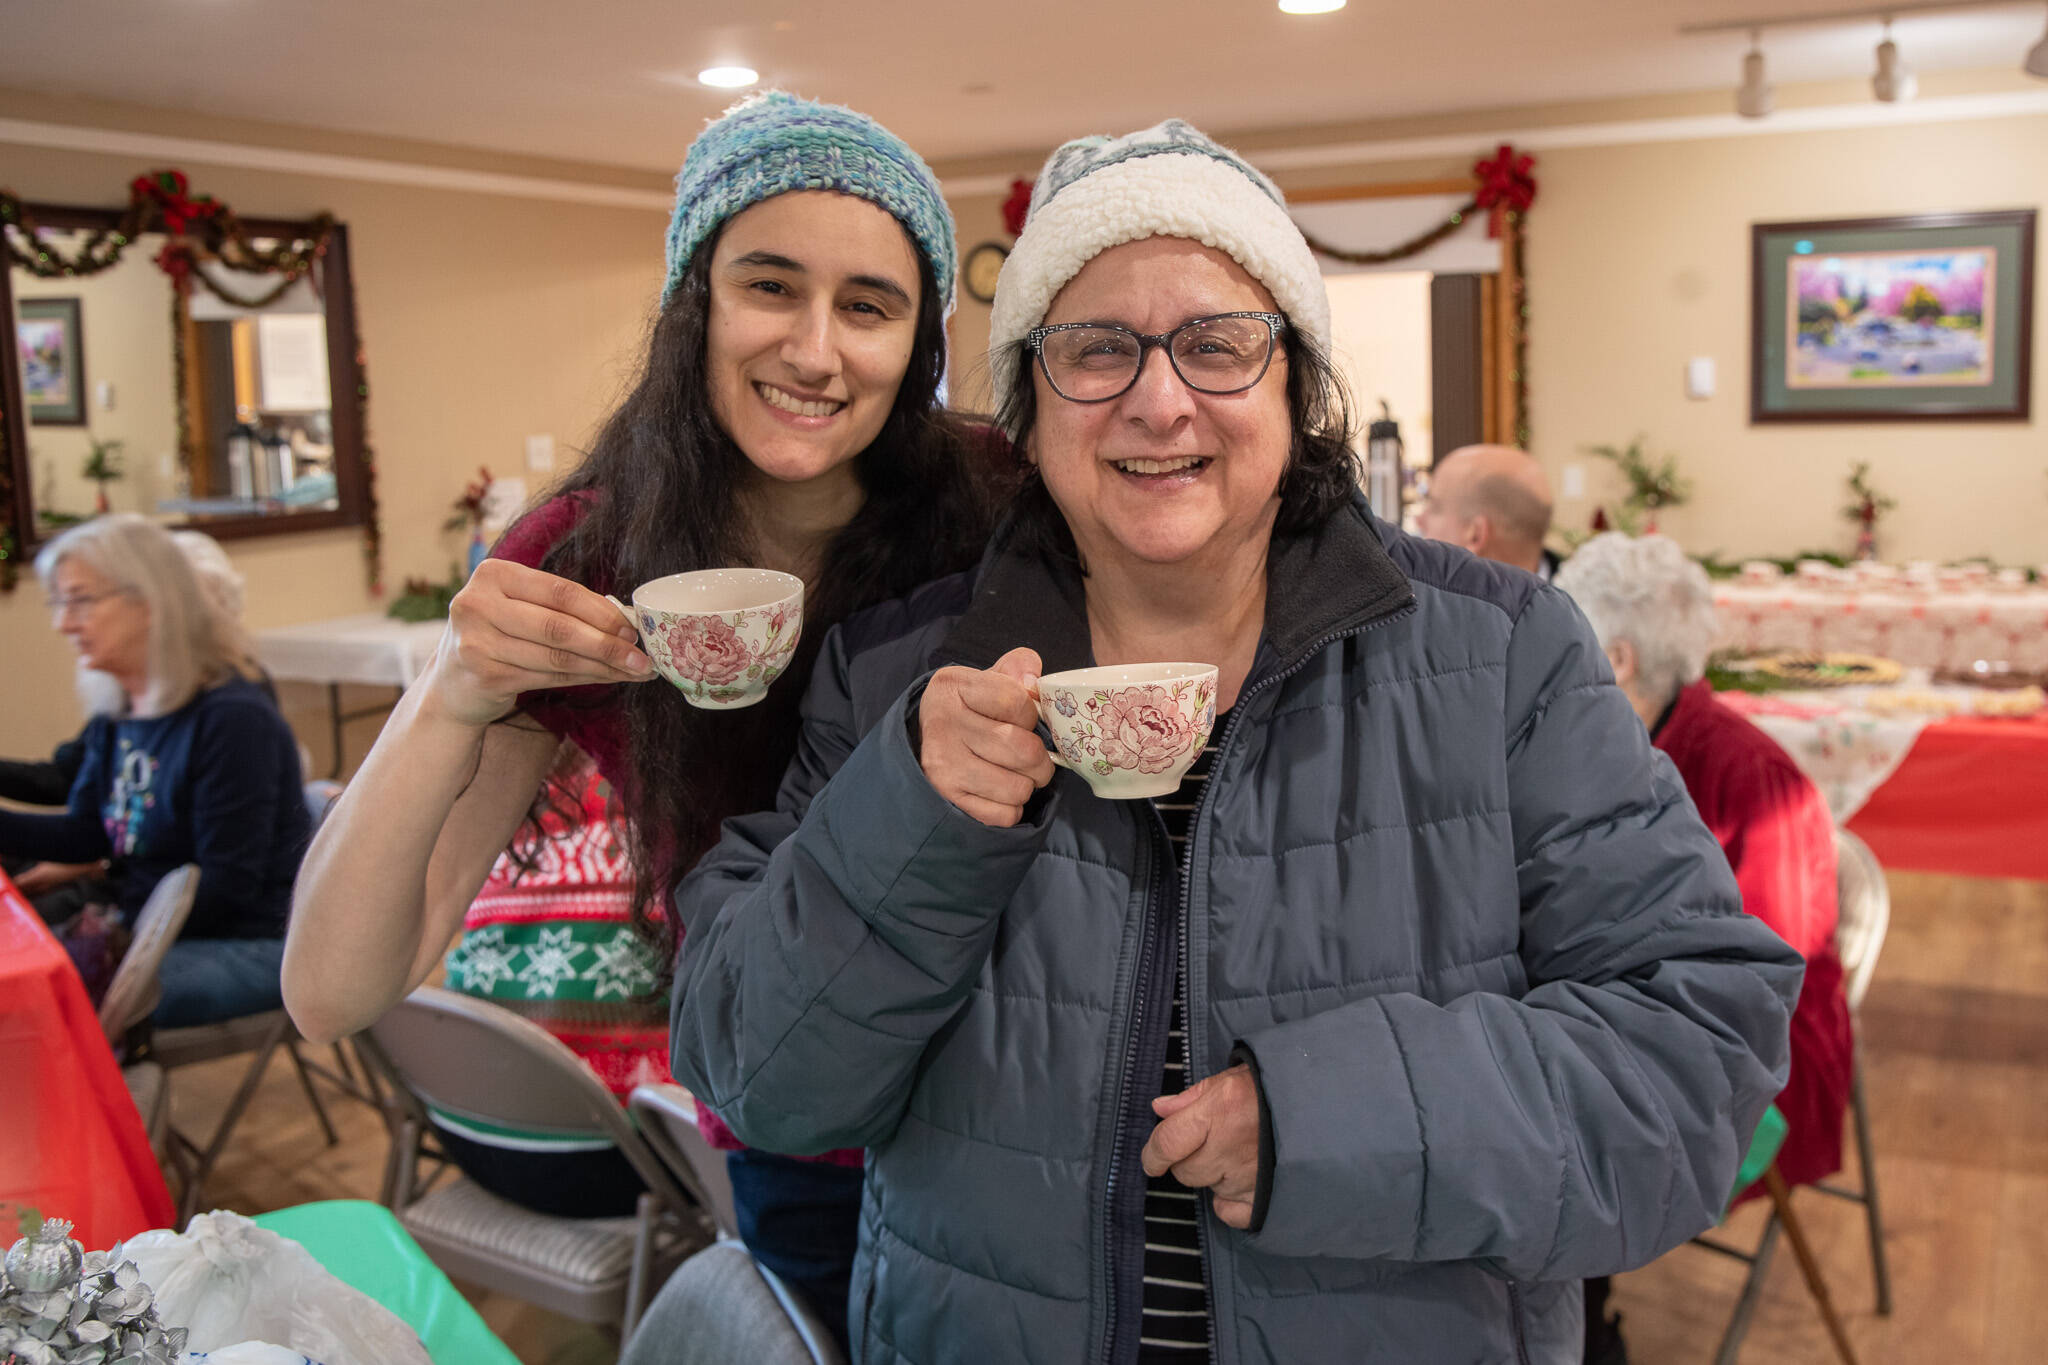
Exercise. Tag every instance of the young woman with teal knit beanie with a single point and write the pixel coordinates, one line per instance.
(787, 417)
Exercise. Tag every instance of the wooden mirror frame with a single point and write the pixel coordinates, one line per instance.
(345, 386)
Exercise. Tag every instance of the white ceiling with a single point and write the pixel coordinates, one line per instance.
(612, 81)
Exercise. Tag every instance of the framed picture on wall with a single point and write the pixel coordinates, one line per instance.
(52, 361)
(1892, 319)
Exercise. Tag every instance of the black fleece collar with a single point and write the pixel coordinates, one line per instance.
(1319, 584)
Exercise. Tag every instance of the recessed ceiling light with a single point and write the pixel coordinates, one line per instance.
(1310, 6)
(728, 77)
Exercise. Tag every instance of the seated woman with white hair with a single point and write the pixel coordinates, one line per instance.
(185, 760)
(60, 890)
(1653, 611)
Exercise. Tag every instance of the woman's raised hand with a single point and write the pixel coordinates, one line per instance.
(513, 629)
(975, 737)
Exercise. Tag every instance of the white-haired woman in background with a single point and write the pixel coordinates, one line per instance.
(185, 760)
(58, 890)
(1653, 610)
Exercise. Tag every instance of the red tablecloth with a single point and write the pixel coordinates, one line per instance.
(71, 1143)
(1970, 799)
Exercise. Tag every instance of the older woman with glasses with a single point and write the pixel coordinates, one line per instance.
(1460, 989)
(185, 760)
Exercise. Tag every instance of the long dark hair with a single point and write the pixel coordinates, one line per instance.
(660, 496)
(1322, 467)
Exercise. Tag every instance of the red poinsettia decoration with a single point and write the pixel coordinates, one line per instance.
(174, 199)
(1016, 206)
(179, 209)
(1505, 186)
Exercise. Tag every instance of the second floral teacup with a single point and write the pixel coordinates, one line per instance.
(720, 635)
(1131, 731)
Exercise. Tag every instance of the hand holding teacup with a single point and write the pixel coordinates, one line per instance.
(975, 738)
(515, 629)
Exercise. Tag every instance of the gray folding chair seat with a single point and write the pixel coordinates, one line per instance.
(577, 1267)
(476, 1061)
(723, 1307)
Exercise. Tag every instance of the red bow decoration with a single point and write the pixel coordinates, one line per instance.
(1505, 186)
(171, 193)
(174, 200)
(1016, 206)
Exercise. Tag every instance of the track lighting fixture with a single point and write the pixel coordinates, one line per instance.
(1754, 98)
(1893, 80)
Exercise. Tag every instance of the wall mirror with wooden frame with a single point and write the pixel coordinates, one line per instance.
(232, 403)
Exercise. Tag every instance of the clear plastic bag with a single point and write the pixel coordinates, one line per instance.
(231, 1283)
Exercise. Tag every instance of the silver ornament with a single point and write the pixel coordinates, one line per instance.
(48, 1261)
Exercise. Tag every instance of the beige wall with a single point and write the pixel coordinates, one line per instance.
(1639, 259)
(484, 319)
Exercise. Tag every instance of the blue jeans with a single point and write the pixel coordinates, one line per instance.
(206, 980)
(801, 1219)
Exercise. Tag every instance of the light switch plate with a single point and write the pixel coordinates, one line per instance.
(1574, 481)
(1699, 377)
(540, 453)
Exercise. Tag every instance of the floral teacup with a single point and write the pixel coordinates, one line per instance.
(720, 635)
(1130, 731)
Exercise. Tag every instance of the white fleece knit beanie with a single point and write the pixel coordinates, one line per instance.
(1166, 181)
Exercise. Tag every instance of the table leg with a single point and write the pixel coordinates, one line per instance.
(337, 718)
(334, 728)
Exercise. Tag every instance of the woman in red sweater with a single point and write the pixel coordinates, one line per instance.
(1653, 610)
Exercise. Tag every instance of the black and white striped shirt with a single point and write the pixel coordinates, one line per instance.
(1175, 1328)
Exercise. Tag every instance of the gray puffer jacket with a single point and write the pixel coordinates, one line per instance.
(1508, 1020)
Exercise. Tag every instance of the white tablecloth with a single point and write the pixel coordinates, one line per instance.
(1940, 629)
(350, 649)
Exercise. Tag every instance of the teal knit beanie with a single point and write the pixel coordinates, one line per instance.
(774, 142)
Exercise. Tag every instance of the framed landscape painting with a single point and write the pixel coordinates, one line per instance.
(1886, 319)
(52, 361)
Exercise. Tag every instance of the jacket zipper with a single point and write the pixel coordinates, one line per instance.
(1515, 1320)
(1143, 975)
(1196, 831)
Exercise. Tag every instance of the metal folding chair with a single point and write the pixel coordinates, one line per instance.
(734, 1307)
(480, 1063)
(1864, 908)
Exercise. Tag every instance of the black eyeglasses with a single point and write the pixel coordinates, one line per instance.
(1093, 362)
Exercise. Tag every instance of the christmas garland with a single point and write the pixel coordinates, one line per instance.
(199, 230)
(1505, 192)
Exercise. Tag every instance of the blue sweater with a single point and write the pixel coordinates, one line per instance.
(215, 782)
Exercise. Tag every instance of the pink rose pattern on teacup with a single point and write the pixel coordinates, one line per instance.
(1146, 728)
(708, 650)
(712, 655)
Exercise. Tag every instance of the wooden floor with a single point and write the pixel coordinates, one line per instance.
(1955, 1033)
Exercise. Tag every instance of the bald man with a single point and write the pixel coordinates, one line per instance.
(1493, 501)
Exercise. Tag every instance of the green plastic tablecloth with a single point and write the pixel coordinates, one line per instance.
(363, 1246)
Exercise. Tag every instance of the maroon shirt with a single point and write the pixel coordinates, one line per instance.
(1774, 826)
